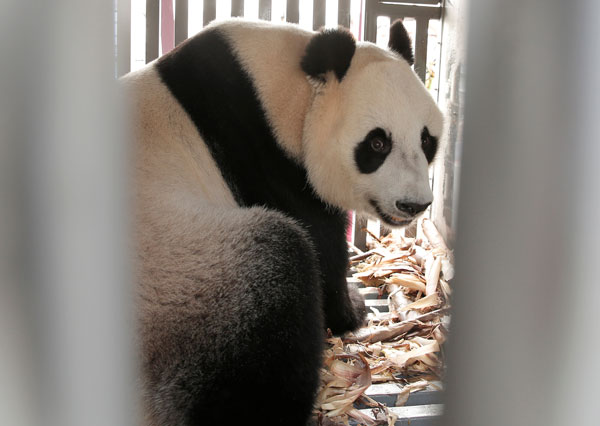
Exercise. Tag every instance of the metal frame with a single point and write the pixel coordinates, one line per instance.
(422, 12)
(237, 9)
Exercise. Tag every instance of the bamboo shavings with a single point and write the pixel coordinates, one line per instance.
(402, 346)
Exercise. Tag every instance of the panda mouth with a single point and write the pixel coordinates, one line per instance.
(388, 218)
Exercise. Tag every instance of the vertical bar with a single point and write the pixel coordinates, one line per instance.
(344, 13)
(66, 306)
(237, 8)
(264, 10)
(152, 19)
(167, 26)
(319, 7)
(581, 222)
(292, 11)
(527, 234)
(123, 37)
(421, 47)
(360, 236)
(18, 382)
(370, 21)
(209, 11)
(181, 21)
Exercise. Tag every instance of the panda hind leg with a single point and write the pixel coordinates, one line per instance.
(245, 336)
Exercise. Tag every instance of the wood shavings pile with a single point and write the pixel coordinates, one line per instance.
(404, 345)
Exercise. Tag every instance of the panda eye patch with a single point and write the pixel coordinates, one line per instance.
(429, 144)
(370, 154)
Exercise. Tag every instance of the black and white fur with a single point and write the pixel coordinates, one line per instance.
(253, 140)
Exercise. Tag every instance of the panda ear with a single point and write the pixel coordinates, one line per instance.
(400, 41)
(328, 50)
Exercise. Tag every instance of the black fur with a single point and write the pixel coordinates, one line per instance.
(429, 144)
(253, 337)
(209, 82)
(366, 158)
(400, 41)
(329, 50)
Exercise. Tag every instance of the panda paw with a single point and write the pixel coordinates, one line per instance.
(348, 316)
(358, 306)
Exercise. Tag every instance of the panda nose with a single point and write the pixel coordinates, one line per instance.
(411, 209)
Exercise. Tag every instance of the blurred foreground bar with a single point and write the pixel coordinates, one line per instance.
(525, 333)
(66, 355)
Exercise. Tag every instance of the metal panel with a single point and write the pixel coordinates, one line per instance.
(237, 8)
(123, 37)
(344, 13)
(152, 20)
(65, 315)
(292, 11)
(181, 21)
(450, 100)
(319, 7)
(527, 231)
(264, 10)
(209, 12)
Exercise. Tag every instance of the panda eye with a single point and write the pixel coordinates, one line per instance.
(428, 144)
(425, 142)
(378, 145)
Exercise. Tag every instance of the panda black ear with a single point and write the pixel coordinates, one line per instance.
(329, 50)
(400, 41)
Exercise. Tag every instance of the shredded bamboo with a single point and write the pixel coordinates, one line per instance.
(403, 346)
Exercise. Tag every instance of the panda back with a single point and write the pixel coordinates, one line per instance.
(173, 164)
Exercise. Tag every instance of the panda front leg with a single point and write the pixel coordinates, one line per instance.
(344, 306)
(231, 320)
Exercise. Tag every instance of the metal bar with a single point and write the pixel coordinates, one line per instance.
(152, 20)
(344, 13)
(527, 219)
(407, 2)
(371, 14)
(209, 11)
(421, 47)
(386, 393)
(360, 236)
(418, 415)
(264, 10)
(237, 8)
(167, 26)
(65, 297)
(319, 8)
(123, 37)
(292, 11)
(381, 305)
(181, 21)
(412, 11)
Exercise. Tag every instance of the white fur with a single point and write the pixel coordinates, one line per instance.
(174, 168)
(320, 125)
(379, 90)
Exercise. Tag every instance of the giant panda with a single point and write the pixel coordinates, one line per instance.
(252, 141)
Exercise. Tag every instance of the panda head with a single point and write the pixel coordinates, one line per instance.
(372, 128)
